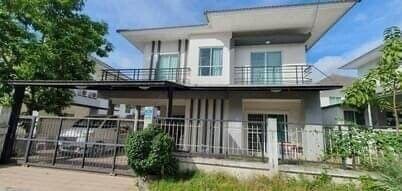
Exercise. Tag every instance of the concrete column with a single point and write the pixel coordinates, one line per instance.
(110, 109)
(235, 130)
(313, 142)
(272, 143)
(312, 134)
(19, 92)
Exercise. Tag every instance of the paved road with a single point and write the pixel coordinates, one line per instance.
(18, 178)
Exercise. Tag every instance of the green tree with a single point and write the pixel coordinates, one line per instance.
(386, 77)
(47, 40)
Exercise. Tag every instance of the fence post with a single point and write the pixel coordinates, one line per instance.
(263, 149)
(85, 144)
(115, 146)
(353, 151)
(272, 143)
(29, 141)
(342, 158)
(57, 142)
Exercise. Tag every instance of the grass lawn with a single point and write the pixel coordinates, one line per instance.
(202, 181)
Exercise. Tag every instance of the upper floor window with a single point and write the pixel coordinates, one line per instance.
(334, 100)
(210, 62)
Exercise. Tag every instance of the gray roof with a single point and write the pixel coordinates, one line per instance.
(338, 79)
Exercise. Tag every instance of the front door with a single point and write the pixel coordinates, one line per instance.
(257, 130)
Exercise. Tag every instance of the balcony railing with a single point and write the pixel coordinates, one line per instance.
(273, 75)
(179, 75)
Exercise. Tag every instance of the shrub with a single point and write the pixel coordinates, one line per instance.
(390, 176)
(150, 152)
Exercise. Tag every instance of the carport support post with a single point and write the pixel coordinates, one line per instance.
(110, 109)
(170, 102)
(9, 140)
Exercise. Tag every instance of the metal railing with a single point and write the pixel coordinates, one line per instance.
(98, 144)
(273, 75)
(179, 75)
(83, 143)
(217, 138)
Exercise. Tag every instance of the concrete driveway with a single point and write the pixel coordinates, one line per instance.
(19, 178)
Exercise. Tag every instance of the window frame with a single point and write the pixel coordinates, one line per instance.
(210, 66)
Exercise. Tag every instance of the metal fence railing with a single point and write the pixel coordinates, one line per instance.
(98, 143)
(83, 143)
(217, 138)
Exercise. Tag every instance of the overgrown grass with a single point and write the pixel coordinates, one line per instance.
(202, 181)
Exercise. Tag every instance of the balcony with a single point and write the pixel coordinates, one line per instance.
(275, 75)
(178, 75)
(292, 75)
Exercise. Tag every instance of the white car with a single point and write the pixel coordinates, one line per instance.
(101, 132)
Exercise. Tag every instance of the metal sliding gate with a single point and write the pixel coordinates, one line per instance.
(95, 144)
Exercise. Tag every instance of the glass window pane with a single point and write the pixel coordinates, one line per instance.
(216, 71)
(164, 61)
(349, 117)
(274, 74)
(166, 68)
(205, 57)
(274, 59)
(174, 61)
(217, 57)
(205, 71)
(257, 67)
(258, 59)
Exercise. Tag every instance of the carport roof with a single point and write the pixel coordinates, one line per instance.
(163, 85)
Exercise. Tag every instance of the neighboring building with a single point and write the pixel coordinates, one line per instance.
(374, 116)
(334, 97)
(333, 111)
(87, 103)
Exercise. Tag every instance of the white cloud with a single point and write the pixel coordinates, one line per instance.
(360, 17)
(331, 64)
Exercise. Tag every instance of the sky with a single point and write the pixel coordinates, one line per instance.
(359, 31)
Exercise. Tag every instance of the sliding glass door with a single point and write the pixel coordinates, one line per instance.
(266, 68)
(167, 67)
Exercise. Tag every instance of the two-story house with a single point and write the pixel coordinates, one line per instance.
(242, 65)
(231, 86)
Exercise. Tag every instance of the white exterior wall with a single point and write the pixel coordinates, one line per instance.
(292, 54)
(324, 96)
(167, 47)
(205, 41)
